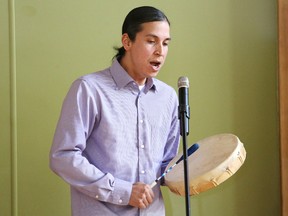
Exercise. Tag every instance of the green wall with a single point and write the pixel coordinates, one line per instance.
(228, 49)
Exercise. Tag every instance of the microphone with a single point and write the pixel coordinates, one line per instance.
(183, 108)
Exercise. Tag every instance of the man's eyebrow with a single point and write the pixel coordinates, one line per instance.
(155, 36)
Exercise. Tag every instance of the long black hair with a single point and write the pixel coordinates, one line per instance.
(134, 19)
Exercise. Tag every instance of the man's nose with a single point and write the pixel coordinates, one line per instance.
(159, 49)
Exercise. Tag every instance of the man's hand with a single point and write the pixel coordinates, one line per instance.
(141, 196)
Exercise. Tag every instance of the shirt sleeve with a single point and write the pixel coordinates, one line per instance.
(172, 144)
(75, 124)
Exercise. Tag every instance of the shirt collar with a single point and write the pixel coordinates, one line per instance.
(122, 78)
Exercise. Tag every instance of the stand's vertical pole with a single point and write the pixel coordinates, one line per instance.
(184, 116)
(186, 166)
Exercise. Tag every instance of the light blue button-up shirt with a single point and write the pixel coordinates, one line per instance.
(110, 135)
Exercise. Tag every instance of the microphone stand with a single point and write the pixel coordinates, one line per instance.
(184, 115)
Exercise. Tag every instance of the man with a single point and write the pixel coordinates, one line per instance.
(118, 128)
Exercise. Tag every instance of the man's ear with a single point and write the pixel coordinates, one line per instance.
(126, 42)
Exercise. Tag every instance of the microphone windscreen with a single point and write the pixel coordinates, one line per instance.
(183, 82)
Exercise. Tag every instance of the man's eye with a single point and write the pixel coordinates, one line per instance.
(151, 41)
(166, 43)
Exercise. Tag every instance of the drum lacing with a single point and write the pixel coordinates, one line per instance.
(229, 171)
(214, 181)
(239, 157)
(194, 190)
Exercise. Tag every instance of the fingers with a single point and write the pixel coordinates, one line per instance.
(149, 196)
(142, 195)
(146, 197)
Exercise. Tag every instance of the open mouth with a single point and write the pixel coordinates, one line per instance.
(155, 64)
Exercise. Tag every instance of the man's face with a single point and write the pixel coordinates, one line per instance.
(146, 55)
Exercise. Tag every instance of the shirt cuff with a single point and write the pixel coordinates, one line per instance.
(120, 194)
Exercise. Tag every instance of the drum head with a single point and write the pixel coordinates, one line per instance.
(217, 158)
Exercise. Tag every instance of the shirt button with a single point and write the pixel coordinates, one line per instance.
(143, 171)
(96, 196)
(142, 146)
(141, 121)
(120, 201)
